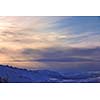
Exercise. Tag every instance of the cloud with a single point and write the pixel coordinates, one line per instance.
(53, 54)
(88, 39)
(28, 31)
(44, 32)
(48, 39)
(62, 54)
(53, 57)
(30, 23)
(44, 40)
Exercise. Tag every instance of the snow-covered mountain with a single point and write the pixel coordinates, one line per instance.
(10, 74)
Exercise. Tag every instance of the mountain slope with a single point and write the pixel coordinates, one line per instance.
(17, 75)
(12, 74)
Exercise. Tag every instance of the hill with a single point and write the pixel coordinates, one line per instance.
(9, 74)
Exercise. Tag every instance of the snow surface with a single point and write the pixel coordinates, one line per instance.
(10, 74)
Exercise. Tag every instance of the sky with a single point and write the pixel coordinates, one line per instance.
(50, 42)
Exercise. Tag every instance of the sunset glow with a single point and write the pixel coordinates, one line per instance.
(36, 42)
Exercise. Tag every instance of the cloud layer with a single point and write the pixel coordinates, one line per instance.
(49, 39)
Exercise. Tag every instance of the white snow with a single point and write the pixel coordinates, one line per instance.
(17, 75)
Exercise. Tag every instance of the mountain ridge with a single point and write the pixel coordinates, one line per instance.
(10, 74)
